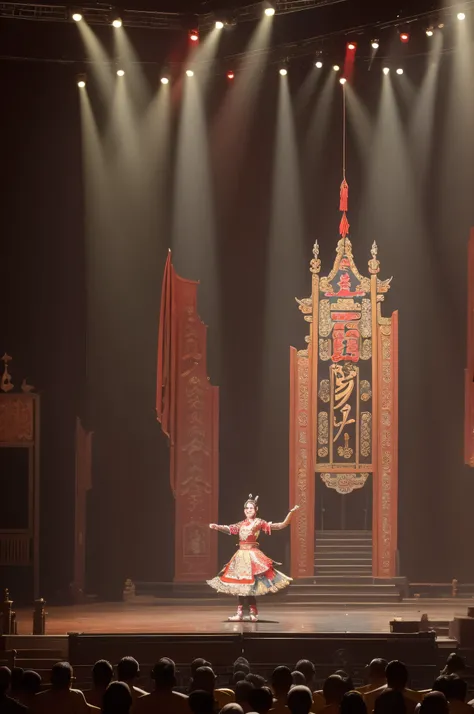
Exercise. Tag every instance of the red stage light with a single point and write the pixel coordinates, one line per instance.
(404, 37)
(351, 46)
(230, 75)
(194, 35)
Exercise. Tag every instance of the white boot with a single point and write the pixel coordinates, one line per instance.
(239, 615)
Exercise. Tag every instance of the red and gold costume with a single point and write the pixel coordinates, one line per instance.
(249, 571)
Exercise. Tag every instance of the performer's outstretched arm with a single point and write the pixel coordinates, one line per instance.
(286, 522)
(222, 529)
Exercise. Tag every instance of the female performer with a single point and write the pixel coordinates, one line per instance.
(250, 573)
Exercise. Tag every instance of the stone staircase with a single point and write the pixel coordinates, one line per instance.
(343, 573)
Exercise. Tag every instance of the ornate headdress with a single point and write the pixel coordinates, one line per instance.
(253, 501)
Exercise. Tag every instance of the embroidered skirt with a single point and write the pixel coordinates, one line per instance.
(249, 572)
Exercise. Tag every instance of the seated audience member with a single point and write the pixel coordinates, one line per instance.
(261, 700)
(117, 699)
(128, 671)
(232, 708)
(242, 694)
(8, 705)
(300, 699)
(199, 662)
(30, 686)
(241, 660)
(390, 701)
(298, 678)
(201, 702)
(375, 676)
(455, 664)
(353, 703)
(455, 690)
(307, 669)
(256, 679)
(397, 679)
(205, 679)
(242, 667)
(434, 703)
(441, 684)
(102, 675)
(163, 698)
(60, 698)
(15, 685)
(347, 679)
(281, 682)
(334, 689)
(238, 677)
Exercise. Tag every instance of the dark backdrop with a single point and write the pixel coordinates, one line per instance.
(102, 364)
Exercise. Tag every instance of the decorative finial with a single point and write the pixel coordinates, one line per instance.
(315, 264)
(374, 264)
(25, 387)
(6, 384)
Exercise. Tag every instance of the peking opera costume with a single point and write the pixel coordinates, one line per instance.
(250, 573)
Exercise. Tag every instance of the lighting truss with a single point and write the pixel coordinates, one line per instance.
(96, 15)
(247, 13)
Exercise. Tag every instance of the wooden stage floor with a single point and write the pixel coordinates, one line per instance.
(150, 615)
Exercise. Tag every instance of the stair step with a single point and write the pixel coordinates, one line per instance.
(349, 560)
(347, 573)
(345, 599)
(339, 580)
(367, 587)
(340, 545)
(340, 565)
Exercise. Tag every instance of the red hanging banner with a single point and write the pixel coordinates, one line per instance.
(188, 408)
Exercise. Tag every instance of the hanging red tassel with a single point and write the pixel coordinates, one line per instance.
(344, 226)
(344, 196)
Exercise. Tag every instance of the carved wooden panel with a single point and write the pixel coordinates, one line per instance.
(16, 418)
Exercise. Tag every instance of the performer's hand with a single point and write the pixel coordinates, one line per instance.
(213, 526)
(295, 508)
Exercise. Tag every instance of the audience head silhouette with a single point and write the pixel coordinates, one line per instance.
(128, 669)
(102, 674)
(281, 681)
(61, 675)
(299, 700)
(397, 675)
(117, 699)
(201, 702)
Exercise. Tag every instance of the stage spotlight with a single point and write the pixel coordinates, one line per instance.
(230, 74)
(375, 44)
(461, 15)
(283, 71)
(429, 32)
(120, 73)
(269, 10)
(399, 70)
(343, 80)
(336, 67)
(165, 80)
(351, 46)
(81, 81)
(76, 16)
(386, 70)
(318, 64)
(219, 25)
(193, 35)
(189, 73)
(404, 37)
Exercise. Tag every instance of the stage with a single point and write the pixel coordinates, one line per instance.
(149, 615)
